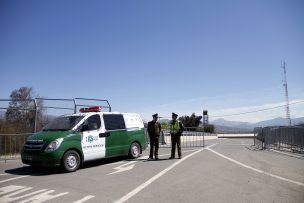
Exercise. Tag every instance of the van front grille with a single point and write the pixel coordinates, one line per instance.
(33, 145)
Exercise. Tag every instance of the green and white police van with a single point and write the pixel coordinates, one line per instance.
(70, 140)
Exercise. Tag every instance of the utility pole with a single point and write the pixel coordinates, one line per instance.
(286, 95)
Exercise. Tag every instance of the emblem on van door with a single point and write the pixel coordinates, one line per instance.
(90, 138)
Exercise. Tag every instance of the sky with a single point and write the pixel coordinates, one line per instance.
(158, 56)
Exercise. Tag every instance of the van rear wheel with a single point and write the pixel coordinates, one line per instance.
(71, 161)
(134, 151)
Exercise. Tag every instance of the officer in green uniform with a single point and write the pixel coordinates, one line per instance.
(176, 130)
(154, 129)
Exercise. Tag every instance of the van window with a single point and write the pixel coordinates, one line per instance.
(114, 122)
(133, 121)
(63, 123)
(93, 122)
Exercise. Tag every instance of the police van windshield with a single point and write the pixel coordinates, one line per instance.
(63, 123)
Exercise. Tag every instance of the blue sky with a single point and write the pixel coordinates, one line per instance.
(157, 56)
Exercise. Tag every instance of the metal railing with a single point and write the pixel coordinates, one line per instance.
(11, 145)
(280, 138)
(189, 138)
(75, 104)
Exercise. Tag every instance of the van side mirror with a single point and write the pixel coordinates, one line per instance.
(84, 128)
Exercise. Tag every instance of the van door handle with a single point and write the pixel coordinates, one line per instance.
(107, 134)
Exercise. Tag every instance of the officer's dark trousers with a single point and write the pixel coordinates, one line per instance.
(154, 145)
(175, 140)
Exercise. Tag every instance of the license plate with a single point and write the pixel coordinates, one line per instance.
(28, 158)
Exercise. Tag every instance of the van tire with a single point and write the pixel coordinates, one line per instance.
(135, 150)
(71, 161)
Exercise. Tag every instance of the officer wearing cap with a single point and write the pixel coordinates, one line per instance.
(176, 130)
(154, 129)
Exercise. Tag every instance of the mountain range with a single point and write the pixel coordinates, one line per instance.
(225, 126)
(245, 125)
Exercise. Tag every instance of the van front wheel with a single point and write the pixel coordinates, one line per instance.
(134, 150)
(71, 161)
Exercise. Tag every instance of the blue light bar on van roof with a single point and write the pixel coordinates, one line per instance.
(90, 109)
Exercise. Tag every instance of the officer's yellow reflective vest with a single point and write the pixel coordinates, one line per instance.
(174, 128)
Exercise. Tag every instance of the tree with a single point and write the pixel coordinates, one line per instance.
(191, 121)
(209, 128)
(21, 112)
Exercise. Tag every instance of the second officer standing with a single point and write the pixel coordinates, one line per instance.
(176, 130)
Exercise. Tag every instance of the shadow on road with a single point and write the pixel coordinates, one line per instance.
(45, 171)
(34, 171)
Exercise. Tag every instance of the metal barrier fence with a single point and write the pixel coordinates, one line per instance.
(189, 138)
(258, 138)
(67, 105)
(280, 138)
(11, 145)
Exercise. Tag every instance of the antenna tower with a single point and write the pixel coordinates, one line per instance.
(286, 95)
(205, 118)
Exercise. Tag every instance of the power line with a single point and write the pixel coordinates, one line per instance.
(237, 114)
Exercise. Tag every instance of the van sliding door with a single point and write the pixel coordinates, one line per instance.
(116, 139)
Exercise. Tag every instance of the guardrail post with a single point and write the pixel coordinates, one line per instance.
(35, 120)
(75, 105)
(4, 149)
(263, 139)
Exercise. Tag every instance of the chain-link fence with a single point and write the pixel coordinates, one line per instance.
(280, 138)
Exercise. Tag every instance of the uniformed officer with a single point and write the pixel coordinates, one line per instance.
(154, 129)
(176, 130)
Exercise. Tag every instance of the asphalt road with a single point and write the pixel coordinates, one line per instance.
(226, 170)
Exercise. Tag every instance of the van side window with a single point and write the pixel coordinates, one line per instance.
(94, 122)
(114, 122)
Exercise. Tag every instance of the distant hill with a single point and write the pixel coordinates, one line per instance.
(232, 124)
(226, 129)
(222, 123)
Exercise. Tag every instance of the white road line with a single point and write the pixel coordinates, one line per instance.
(3, 174)
(124, 167)
(143, 157)
(154, 178)
(42, 197)
(211, 145)
(18, 190)
(238, 144)
(256, 170)
(86, 198)
(190, 150)
(3, 181)
(114, 163)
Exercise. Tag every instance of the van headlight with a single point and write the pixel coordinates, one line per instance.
(54, 145)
